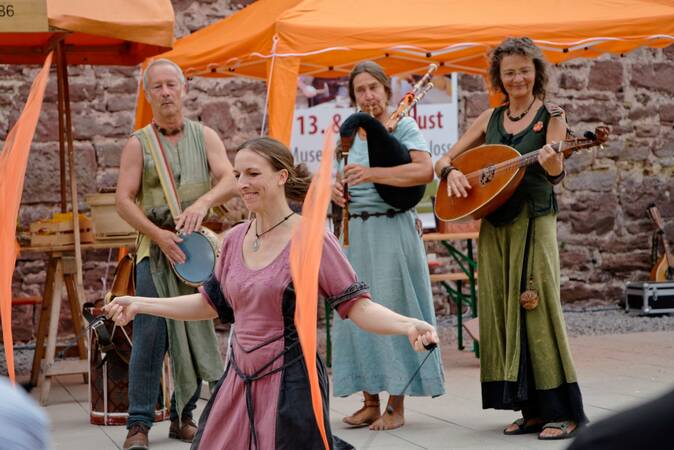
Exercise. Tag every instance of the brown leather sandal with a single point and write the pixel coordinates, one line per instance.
(352, 420)
(523, 427)
(563, 427)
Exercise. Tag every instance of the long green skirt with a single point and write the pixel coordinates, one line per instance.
(525, 360)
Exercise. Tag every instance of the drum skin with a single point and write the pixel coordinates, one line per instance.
(200, 255)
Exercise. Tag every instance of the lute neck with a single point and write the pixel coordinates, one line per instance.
(519, 162)
(532, 157)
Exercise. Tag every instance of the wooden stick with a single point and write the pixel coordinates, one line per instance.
(63, 74)
(346, 145)
(430, 347)
(62, 143)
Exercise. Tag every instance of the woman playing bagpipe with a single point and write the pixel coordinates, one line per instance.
(525, 360)
(385, 250)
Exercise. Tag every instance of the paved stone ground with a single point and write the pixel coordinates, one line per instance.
(580, 321)
(615, 372)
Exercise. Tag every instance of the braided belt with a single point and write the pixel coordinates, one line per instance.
(248, 379)
(366, 215)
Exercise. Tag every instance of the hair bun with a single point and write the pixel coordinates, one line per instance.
(302, 171)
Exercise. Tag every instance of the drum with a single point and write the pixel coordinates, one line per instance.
(109, 375)
(201, 251)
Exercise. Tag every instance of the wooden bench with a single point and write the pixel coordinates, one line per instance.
(452, 276)
(467, 274)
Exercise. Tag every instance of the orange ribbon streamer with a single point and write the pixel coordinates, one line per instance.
(306, 249)
(13, 162)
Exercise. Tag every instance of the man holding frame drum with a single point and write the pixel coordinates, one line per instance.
(193, 155)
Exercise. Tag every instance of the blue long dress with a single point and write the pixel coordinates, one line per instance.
(388, 255)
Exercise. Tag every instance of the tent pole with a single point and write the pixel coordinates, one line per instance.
(62, 144)
(63, 72)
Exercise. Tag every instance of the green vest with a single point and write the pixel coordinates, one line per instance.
(535, 189)
(189, 164)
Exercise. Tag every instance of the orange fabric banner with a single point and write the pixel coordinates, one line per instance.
(305, 259)
(13, 162)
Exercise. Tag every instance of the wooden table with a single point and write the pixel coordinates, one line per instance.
(468, 265)
(61, 272)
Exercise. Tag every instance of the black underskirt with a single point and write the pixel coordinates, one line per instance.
(561, 403)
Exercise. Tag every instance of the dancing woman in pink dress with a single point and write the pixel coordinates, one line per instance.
(265, 387)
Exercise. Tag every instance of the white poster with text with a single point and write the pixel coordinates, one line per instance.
(436, 115)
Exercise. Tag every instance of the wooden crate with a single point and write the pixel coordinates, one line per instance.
(59, 230)
(107, 223)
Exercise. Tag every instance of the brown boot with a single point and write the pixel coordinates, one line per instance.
(183, 430)
(136, 439)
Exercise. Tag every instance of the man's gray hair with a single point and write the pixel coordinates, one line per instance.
(166, 62)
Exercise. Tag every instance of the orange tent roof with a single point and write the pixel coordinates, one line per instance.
(327, 37)
(327, 33)
(112, 32)
(247, 34)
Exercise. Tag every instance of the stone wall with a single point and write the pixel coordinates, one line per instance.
(603, 231)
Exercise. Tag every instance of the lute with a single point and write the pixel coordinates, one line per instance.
(494, 172)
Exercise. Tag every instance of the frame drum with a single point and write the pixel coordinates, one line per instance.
(200, 248)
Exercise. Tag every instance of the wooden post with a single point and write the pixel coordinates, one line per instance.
(62, 132)
(62, 71)
(55, 308)
(75, 313)
(45, 312)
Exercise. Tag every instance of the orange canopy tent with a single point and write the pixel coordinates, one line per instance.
(277, 40)
(114, 32)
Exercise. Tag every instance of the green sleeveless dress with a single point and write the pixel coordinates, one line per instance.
(525, 360)
(193, 345)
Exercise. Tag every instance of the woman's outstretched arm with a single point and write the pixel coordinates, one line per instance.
(378, 319)
(122, 310)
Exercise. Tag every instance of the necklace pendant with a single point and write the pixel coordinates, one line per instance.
(256, 245)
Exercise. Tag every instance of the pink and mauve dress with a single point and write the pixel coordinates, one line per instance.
(266, 378)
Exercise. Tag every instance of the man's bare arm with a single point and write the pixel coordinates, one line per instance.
(128, 185)
(221, 169)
